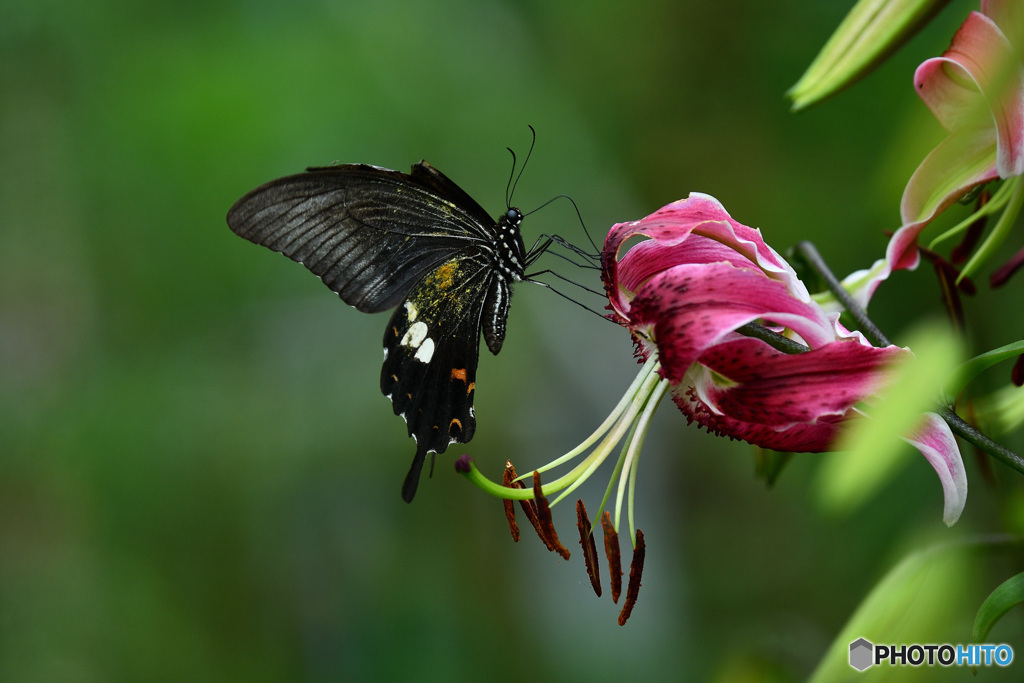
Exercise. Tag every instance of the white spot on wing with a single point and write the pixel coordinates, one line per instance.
(425, 351)
(415, 336)
(410, 311)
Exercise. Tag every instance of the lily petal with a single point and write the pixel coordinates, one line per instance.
(700, 276)
(801, 437)
(936, 442)
(976, 91)
(961, 161)
(670, 227)
(770, 387)
(1008, 15)
(692, 307)
(979, 83)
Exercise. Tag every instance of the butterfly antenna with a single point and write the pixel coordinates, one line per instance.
(508, 186)
(509, 195)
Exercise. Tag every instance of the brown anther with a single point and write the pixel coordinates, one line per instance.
(1003, 273)
(611, 550)
(546, 527)
(589, 547)
(531, 514)
(950, 296)
(636, 568)
(508, 480)
(973, 233)
(964, 285)
(1017, 373)
(529, 508)
(949, 271)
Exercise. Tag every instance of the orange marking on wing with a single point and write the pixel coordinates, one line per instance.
(470, 387)
(459, 373)
(454, 423)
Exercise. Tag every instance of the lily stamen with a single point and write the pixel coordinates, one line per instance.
(589, 546)
(636, 569)
(631, 416)
(611, 550)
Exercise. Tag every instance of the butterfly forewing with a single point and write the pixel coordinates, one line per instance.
(369, 233)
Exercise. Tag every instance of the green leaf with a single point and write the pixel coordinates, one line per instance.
(914, 603)
(994, 240)
(1009, 594)
(1001, 411)
(975, 366)
(768, 464)
(872, 31)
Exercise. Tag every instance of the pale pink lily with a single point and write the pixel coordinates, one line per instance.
(976, 91)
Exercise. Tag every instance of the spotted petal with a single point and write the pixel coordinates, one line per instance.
(669, 229)
(692, 307)
(786, 401)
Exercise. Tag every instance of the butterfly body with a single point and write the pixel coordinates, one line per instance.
(415, 242)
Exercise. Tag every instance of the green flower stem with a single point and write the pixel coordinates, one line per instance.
(864, 323)
(772, 338)
(470, 472)
(977, 438)
(875, 336)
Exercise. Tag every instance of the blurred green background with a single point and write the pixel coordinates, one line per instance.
(198, 476)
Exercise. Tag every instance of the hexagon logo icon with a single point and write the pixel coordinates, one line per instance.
(861, 651)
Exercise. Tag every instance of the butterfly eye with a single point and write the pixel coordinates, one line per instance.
(514, 216)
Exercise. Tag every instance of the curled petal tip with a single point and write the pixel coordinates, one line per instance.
(935, 441)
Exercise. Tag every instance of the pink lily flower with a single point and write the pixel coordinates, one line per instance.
(683, 293)
(701, 275)
(976, 91)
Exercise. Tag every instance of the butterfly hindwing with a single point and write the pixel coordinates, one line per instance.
(431, 348)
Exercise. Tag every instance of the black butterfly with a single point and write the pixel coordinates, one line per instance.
(381, 238)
